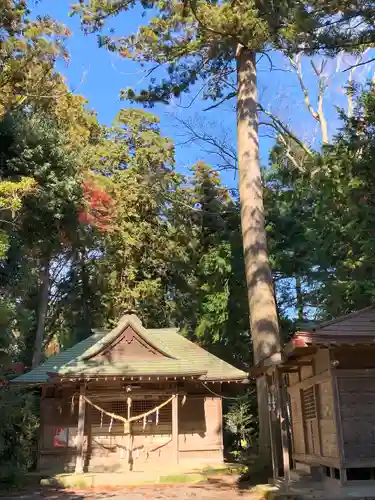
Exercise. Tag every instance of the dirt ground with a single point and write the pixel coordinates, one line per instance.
(218, 488)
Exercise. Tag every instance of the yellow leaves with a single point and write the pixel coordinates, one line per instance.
(11, 193)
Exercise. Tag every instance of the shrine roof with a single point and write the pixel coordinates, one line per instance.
(177, 357)
(354, 330)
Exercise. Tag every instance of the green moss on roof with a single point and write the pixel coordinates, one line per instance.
(182, 358)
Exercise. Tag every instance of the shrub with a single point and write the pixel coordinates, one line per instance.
(241, 423)
(19, 422)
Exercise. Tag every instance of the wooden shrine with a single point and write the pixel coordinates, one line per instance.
(322, 400)
(129, 397)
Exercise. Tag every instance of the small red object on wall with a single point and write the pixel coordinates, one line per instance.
(60, 439)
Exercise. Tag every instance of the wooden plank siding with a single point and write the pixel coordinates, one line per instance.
(199, 435)
(357, 409)
(314, 429)
(354, 358)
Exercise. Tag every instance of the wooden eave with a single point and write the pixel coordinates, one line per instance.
(307, 343)
(302, 340)
(58, 378)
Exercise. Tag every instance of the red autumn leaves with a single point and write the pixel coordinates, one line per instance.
(98, 207)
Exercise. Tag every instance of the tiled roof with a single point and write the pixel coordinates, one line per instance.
(181, 358)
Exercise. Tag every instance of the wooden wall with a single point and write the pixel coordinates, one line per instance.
(200, 436)
(312, 411)
(356, 392)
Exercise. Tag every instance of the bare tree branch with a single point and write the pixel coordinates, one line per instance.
(358, 64)
(296, 64)
(219, 144)
(283, 129)
(317, 114)
(289, 154)
(322, 85)
(217, 104)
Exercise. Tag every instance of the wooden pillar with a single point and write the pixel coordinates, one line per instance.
(175, 428)
(88, 427)
(81, 430)
(275, 466)
(338, 424)
(129, 425)
(283, 418)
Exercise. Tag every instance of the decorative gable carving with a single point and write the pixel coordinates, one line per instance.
(128, 345)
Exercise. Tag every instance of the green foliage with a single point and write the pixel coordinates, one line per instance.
(34, 148)
(329, 202)
(19, 423)
(198, 39)
(242, 425)
(29, 50)
(207, 277)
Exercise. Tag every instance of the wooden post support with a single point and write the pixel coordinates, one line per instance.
(81, 430)
(175, 427)
(275, 467)
(88, 427)
(129, 425)
(283, 417)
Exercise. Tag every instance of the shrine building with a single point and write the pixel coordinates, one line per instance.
(322, 401)
(124, 399)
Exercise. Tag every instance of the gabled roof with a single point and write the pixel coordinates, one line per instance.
(355, 328)
(180, 357)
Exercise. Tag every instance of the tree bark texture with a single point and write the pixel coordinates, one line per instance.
(42, 313)
(262, 304)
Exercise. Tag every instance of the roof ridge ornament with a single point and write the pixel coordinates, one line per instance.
(130, 313)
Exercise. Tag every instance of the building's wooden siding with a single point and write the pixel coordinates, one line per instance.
(327, 421)
(200, 436)
(354, 358)
(200, 425)
(357, 410)
(293, 378)
(314, 435)
(321, 361)
(298, 444)
(307, 371)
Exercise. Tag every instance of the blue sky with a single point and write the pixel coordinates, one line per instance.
(100, 76)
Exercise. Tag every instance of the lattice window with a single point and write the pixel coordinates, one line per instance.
(309, 403)
(142, 406)
(97, 417)
(120, 407)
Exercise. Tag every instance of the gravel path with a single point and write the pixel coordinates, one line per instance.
(218, 488)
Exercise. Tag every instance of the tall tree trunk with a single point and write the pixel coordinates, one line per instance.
(262, 304)
(42, 312)
(85, 294)
(299, 297)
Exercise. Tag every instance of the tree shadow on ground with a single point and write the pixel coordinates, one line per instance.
(53, 493)
(240, 484)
